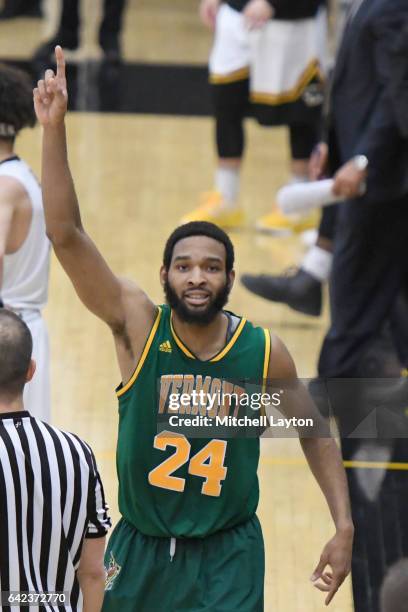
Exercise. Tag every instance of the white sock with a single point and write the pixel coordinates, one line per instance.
(227, 183)
(318, 263)
(295, 179)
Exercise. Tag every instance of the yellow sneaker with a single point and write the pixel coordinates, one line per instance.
(277, 223)
(213, 209)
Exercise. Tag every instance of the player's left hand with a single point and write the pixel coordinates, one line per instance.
(337, 555)
(50, 95)
(349, 181)
(256, 13)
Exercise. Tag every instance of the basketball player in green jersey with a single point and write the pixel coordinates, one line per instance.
(189, 539)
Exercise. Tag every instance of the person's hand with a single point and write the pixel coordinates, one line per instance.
(256, 13)
(318, 161)
(349, 181)
(208, 12)
(337, 555)
(50, 95)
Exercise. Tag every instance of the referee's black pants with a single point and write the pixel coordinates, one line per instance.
(369, 269)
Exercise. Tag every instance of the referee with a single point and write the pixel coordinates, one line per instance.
(53, 515)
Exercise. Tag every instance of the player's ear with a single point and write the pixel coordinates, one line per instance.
(231, 279)
(163, 275)
(31, 370)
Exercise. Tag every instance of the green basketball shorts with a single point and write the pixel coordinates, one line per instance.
(221, 573)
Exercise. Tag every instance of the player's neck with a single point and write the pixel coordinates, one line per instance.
(204, 341)
(15, 405)
(6, 150)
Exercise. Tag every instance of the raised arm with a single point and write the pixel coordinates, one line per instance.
(95, 283)
(122, 305)
(324, 459)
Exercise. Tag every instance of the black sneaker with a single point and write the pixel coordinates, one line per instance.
(297, 288)
(110, 46)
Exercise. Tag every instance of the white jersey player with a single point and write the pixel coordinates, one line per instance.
(24, 247)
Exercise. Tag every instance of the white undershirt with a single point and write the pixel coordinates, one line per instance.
(25, 272)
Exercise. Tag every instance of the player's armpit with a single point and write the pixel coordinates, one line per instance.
(132, 332)
(281, 364)
(295, 400)
(6, 217)
(140, 313)
(6, 210)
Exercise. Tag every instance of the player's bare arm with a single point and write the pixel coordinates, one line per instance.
(6, 218)
(324, 459)
(121, 304)
(208, 12)
(91, 573)
(256, 13)
(15, 217)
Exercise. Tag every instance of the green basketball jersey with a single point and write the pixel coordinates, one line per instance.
(171, 485)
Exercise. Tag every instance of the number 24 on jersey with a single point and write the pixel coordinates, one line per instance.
(208, 463)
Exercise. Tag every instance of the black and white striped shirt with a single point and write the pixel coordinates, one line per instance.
(51, 497)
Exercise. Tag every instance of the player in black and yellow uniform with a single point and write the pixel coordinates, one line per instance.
(189, 538)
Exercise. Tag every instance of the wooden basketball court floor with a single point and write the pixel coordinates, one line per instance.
(135, 176)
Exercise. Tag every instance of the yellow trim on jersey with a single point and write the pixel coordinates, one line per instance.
(143, 355)
(223, 79)
(267, 357)
(178, 341)
(231, 342)
(291, 95)
(219, 355)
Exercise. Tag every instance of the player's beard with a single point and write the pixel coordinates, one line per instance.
(186, 314)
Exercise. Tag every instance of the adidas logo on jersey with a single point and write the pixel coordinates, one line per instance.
(165, 347)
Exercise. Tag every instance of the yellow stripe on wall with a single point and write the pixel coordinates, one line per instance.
(371, 465)
(297, 462)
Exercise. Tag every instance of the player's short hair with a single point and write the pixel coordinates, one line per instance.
(16, 347)
(16, 102)
(199, 228)
(394, 590)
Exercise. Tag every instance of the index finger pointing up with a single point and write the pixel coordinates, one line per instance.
(60, 59)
